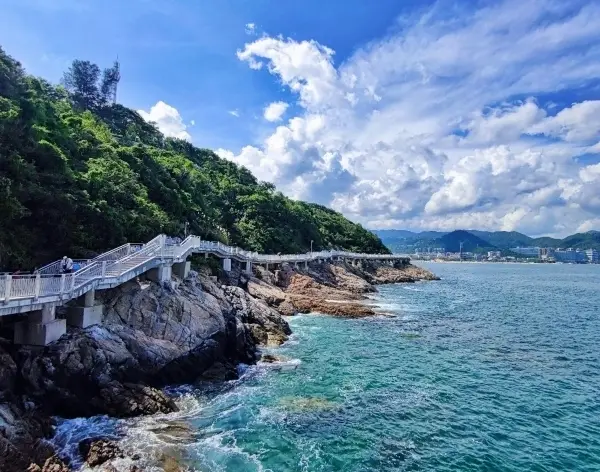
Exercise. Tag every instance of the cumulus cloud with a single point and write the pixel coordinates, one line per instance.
(274, 111)
(168, 120)
(446, 123)
(235, 113)
(250, 28)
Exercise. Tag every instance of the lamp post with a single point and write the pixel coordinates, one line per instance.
(311, 252)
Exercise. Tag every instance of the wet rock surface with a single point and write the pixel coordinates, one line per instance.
(97, 451)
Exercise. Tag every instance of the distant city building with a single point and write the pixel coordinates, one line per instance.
(494, 254)
(592, 256)
(527, 251)
(570, 255)
(546, 253)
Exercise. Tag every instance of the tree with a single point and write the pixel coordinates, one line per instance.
(81, 81)
(110, 81)
(78, 177)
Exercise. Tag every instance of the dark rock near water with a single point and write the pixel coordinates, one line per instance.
(151, 337)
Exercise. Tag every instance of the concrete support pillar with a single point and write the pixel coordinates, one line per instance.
(88, 298)
(227, 265)
(182, 269)
(206, 255)
(160, 274)
(248, 268)
(296, 265)
(41, 328)
(84, 316)
(266, 266)
(86, 312)
(306, 265)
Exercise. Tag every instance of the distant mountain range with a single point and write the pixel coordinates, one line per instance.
(480, 241)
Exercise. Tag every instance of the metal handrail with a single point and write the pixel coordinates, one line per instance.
(128, 257)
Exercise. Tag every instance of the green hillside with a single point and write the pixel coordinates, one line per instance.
(504, 239)
(470, 242)
(79, 174)
(402, 241)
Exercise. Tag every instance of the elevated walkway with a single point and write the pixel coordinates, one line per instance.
(48, 288)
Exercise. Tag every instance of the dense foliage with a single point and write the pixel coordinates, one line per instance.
(80, 174)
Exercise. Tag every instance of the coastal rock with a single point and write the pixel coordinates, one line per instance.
(89, 372)
(97, 451)
(333, 288)
(8, 369)
(333, 308)
(53, 464)
(151, 336)
(305, 286)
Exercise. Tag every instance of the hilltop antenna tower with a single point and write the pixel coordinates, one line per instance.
(117, 77)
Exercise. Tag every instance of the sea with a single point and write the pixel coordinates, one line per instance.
(496, 367)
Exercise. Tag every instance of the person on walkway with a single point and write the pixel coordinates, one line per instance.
(67, 265)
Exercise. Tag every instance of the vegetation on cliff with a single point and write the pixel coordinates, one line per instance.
(80, 174)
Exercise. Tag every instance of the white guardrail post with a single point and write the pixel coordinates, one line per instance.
(62, 283)
(7, 287)
(38, 285)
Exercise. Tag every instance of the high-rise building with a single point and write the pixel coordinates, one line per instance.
(592, 256)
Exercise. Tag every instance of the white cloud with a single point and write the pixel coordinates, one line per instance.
(168, 120)
(581, 122)
(274, 111)
(235, 113)
(192, 122)
(250, 28)
(421, 129)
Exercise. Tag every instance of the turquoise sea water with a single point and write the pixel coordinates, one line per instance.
(493, 368)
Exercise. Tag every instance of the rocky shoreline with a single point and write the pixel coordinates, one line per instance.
(152, 336)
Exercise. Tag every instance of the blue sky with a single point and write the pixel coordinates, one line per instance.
(413, 115)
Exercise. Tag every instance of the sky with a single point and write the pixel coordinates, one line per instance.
(407, 114)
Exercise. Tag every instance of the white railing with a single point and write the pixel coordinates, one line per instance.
(122, 262)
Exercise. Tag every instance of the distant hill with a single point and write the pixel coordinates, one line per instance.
(474, 240)
(504, 239)
(470, 242)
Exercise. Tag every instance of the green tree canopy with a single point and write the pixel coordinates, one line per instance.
(79, 175)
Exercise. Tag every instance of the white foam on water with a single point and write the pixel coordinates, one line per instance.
(412, 289)
(214, 447)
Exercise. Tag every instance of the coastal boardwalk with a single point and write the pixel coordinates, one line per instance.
(40, 293)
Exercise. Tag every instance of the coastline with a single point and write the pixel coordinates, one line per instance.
(152, 336)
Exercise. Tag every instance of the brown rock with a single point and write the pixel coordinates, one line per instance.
(54, 464)
(97, 451)
(341, 309)
(306, 286)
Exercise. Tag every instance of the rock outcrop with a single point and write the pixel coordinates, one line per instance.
(335, 288)
(156, 335)
(151, 336)
(97, 451)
